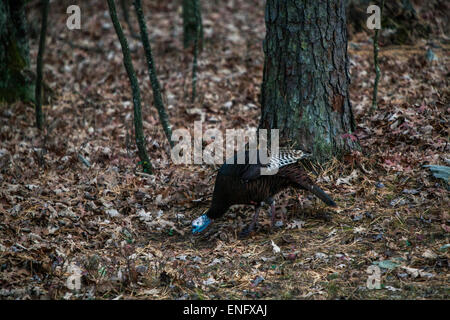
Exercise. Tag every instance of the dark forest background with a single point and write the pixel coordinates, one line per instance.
(76, 198)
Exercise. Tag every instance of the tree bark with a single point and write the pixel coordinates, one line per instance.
(138, 128)
(39, 65)
(192, 19)
(376, 65)
(126, 16)
(305, 81)
(196, 49)
(163, 118)
(15, 83)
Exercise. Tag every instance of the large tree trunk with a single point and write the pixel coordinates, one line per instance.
(305, 81)
(15, 83)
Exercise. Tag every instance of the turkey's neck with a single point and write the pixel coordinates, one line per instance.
(217, 209)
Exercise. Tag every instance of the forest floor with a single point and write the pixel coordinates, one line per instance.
(127, 234)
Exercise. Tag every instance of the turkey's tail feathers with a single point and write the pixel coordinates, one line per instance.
(297, 175)
(322, 195)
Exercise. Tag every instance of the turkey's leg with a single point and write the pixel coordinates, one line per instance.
(283, 218)
(273, 213)
(254, 220)
(247, 230)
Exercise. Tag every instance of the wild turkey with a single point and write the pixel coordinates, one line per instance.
(245, 184)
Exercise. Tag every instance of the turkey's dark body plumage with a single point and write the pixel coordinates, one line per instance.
(244, 184)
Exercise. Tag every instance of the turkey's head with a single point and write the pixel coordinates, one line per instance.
(200, 224)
